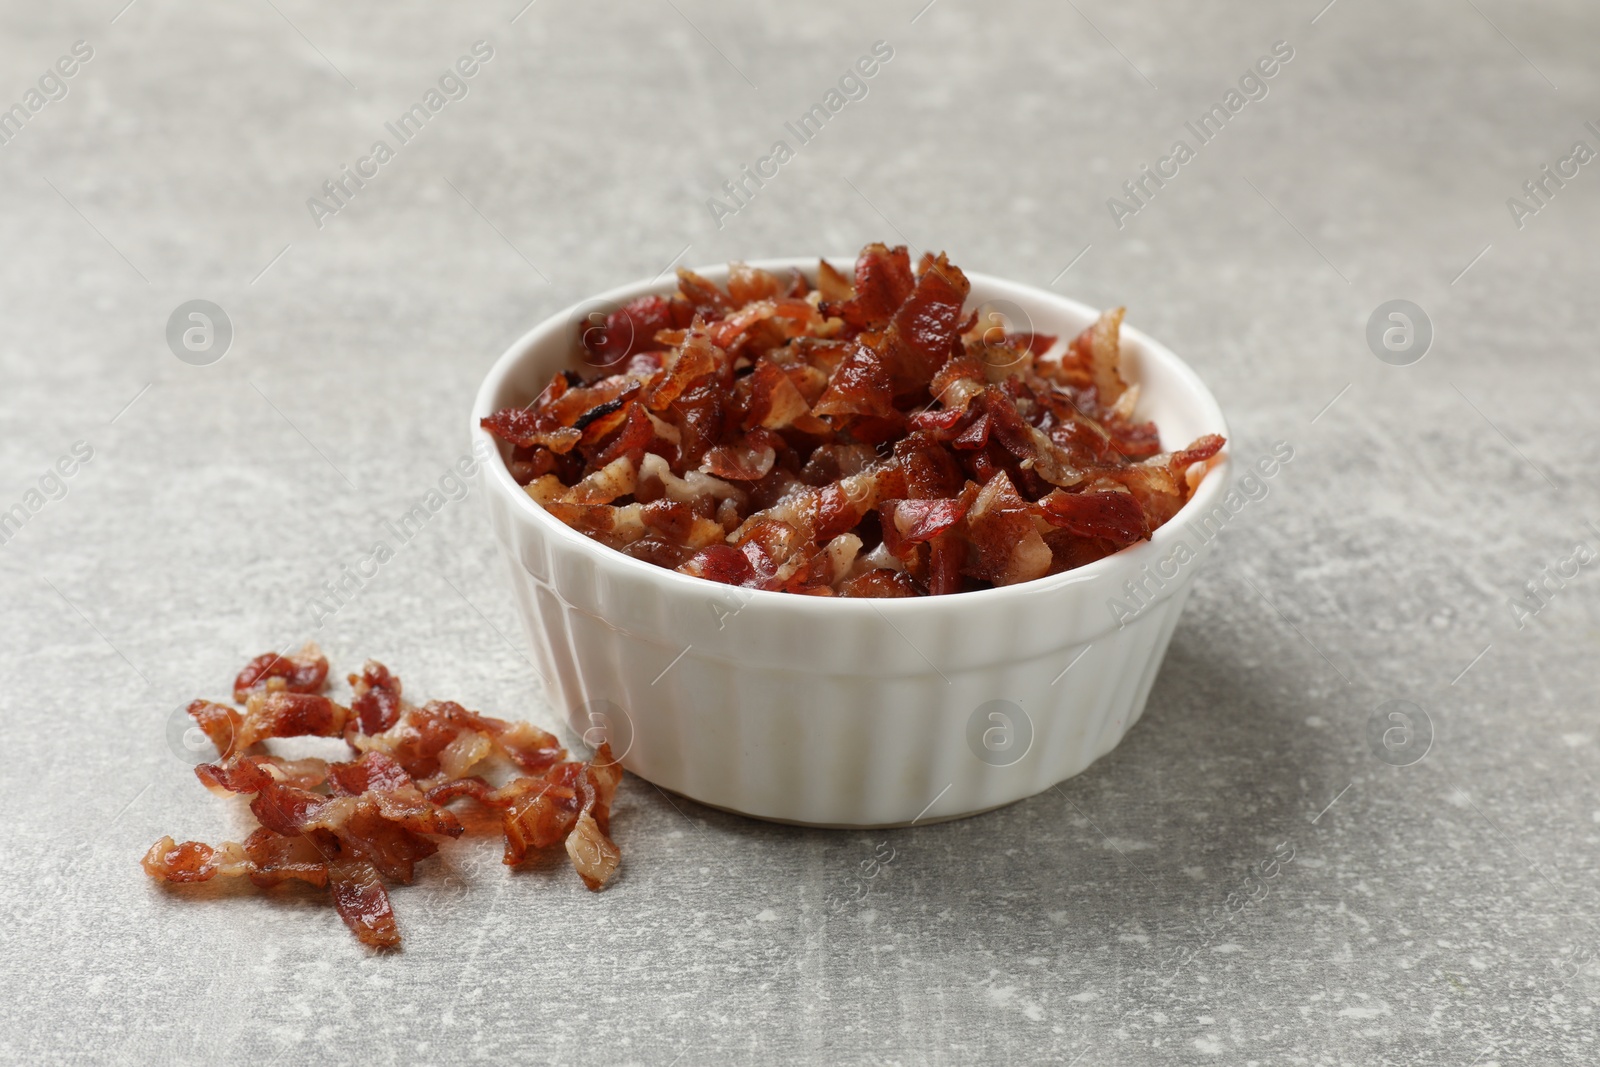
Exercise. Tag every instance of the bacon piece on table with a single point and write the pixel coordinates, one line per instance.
(350, 826)
(305, 671)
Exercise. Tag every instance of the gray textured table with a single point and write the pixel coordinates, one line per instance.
(1252, 877)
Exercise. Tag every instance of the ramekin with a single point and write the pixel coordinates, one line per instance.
(844, 712)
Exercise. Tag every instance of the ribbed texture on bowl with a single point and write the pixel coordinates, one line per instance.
(811, 743)
(849, 713)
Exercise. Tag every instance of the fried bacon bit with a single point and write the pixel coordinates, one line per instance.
(267, 858)
(188, 862)
(775, 402)
(218, 722)
(859, 385)
(883, 281)
(594, 856)
(1095, 355)
(305, 773)
(363, 902)
(747, 459)
(305, 671)
(351, 826)
(907, 523)
(420, 741)
(538, 812)
(630, 329)
(881, 583)
(291, 715)
(702, 295)
(269, 713)
(377, 702)
(521, 427)
(833, 287)
(1007, 547)
(923, 332)
(1112, 514)
(739, 435)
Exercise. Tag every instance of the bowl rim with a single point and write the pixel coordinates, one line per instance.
(1129, 559)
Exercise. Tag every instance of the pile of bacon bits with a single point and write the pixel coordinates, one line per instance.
(351, 826)
(866, 437)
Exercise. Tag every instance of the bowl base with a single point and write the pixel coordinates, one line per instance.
(932, 820)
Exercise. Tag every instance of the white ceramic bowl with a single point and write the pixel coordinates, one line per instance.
(845, 712)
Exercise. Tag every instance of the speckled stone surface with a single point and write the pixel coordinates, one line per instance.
(1243, 881)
